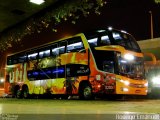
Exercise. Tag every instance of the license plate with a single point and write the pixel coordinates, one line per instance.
(137, 91)
(109, 87)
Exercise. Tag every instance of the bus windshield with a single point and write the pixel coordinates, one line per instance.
(132, 69)
(106, 61)
(114, 37)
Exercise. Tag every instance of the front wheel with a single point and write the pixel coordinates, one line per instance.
(86, 92)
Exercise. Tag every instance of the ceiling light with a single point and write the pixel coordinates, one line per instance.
(37, 1)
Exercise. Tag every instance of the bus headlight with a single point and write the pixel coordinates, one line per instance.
(125, 82)
(1, 80)
(146, 84)
(156, 80)
(125, 89)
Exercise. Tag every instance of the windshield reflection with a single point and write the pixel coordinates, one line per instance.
(133, 69)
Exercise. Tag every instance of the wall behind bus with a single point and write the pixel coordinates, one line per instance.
(151, 46)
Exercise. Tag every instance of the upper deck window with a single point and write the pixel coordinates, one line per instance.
(22, 58)
(32, 56)
(125, 40)
(112, 37)
(93, 42)
(73, 47)
(75, 44)
(44, 53)
(98, 38)
(15, 59)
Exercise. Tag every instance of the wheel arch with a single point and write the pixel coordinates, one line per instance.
(15, 88)
(24, 86)
(82, 83)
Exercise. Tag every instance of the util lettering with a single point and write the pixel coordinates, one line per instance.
(18, 74)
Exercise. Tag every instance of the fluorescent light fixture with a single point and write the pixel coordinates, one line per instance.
(110, 28)
(101, 31)
(38, 2)
(123, 31)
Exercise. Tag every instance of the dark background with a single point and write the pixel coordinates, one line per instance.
(130, 15)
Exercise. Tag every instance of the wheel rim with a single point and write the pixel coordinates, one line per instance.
(18, 95)
(87, 92)
(25, 93)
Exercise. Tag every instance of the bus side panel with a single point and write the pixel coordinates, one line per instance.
(61, 85)
(38, 85)
(15, 75)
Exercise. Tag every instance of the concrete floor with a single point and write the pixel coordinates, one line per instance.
(68, 109)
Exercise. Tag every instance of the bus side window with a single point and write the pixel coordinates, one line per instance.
(75, 45)
(55, 51)
(14, 59)
(108, 66)
(93, 42)
(105, 40)
(44, 53)
(9, 60)
(62, 47)
(32, 56)
(118, 39)
(22, 58)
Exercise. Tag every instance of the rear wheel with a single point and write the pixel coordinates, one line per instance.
(65, 97)
(18, 94)
(25, 93)
(86, 92)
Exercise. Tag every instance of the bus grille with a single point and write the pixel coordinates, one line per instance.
(136, 85)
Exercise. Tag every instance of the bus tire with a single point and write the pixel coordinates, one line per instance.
(64, 97)
(85, 92)
(19, 94)
(25, 93)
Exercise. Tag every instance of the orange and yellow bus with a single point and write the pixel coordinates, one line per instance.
(101, 62)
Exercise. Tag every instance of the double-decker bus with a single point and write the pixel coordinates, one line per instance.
(101, 62)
